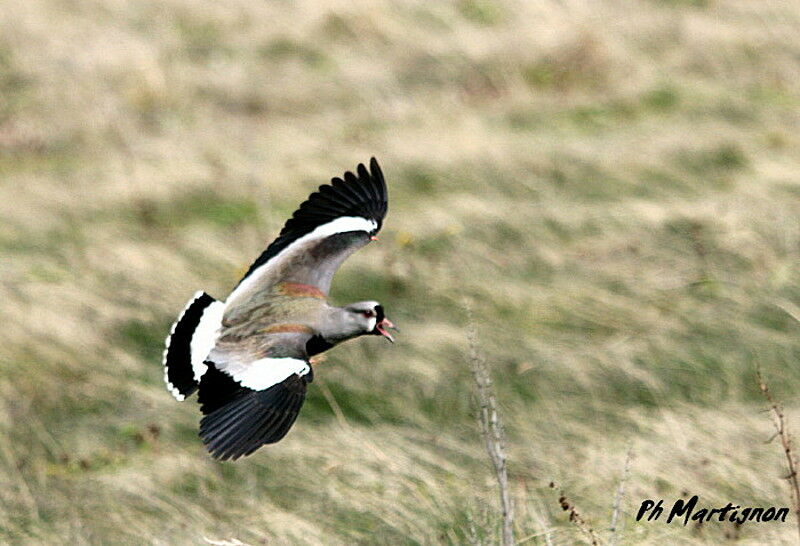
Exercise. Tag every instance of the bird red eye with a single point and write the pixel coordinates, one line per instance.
(369, 313)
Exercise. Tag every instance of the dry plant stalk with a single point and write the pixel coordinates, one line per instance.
(575, 517)
(779, 420)
(492, 430)
(616, 532)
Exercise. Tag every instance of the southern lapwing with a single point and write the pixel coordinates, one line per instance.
(249, 356)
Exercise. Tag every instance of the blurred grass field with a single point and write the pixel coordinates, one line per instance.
(613, 185)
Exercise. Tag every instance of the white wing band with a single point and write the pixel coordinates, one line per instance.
(266, 372)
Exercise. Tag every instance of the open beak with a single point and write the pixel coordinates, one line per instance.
(383, 325)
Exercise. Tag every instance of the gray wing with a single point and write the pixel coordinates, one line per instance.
(238, 353)
(329, 226)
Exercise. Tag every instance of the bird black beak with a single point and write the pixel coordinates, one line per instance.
(383, 325)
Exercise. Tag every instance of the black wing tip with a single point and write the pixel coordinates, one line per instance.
(374, 172)
(364, 196)
(375, 168)
(362, 193)
(248, 419)
(362, 176)
(245, 433)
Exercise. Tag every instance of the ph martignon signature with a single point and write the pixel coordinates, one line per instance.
(689, 511)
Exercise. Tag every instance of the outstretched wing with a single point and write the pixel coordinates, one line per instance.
(252, 392)
(335, 221)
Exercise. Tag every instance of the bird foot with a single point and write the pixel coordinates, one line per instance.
(314, 360)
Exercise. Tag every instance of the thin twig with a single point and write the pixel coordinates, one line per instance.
(337, 410)
(575, 517)
(779, 420)
(616, 532)
(491, 429)
(547, 531)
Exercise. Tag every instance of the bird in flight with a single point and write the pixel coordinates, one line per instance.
(249, 357)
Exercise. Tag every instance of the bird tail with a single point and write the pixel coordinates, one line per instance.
(189, 341)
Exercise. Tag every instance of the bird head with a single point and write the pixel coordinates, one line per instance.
(370, 319)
